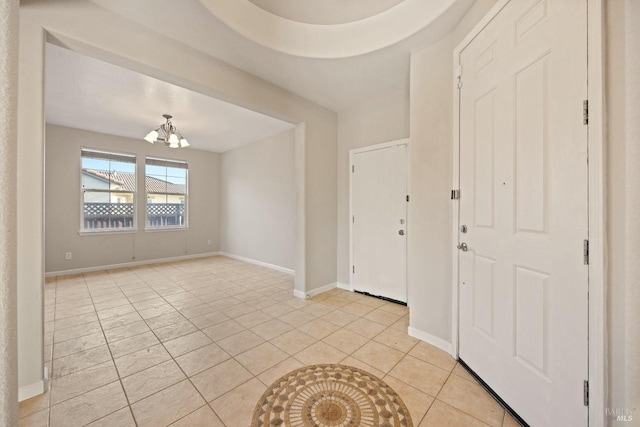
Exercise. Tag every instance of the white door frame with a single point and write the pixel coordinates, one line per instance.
(596, 180)
(352, 152)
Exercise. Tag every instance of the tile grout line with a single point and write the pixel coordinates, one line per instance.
(114, 366)
(177, 364)
(189, 289)
(255, 376)
(171, 358)
(457, 409)
(160, 343)
(50, 384)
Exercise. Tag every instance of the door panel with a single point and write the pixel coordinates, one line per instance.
(483, 295)
(378, 203)
(523, 196)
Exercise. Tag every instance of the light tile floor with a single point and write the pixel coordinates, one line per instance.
(196, 343)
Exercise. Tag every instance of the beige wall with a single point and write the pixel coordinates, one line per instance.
(632, 308)
(623, 204)
(63, 204)
(89, 29)
(381, 120)
(30, 207)
(8, 198)
(616, 197)
(320, 181)
(430, 210)
(431, 176)
(425, 115)
(257, 219)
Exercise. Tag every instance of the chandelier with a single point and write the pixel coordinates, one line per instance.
(168, 134)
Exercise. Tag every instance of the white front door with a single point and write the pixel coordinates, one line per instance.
(379, 214)
(523, 284)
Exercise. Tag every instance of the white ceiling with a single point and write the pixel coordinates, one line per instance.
(325, 11)
(90, 94)
(337, 84)
(329, 41)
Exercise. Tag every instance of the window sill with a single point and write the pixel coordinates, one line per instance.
(102, 232)
(160, 229)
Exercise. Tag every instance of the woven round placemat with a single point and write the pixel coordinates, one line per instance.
(330, 396)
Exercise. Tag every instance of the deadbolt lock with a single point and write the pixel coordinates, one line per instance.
(463, 228)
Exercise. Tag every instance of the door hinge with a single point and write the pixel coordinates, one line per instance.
(455, 194)
(585, 251)
(585, 393)
(585, 112)
(353, 269)
(407, 197)
(353, 168)
(353, 219)
(459, 76)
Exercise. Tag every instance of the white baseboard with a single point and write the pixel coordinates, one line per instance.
(31, 390)
(299, 294)
(432, 339)
(321, 289)
(345, 286)
(314, 292)
(260, 263)
(128, 264)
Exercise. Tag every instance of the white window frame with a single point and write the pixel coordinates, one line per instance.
(172, 163)
(109, 155)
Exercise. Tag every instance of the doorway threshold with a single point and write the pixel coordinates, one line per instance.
(493, 394)
(395, 301)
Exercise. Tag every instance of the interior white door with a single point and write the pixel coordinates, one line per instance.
(378, 230)
(523, 199)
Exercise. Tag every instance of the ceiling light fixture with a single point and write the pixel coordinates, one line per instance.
(171, 136)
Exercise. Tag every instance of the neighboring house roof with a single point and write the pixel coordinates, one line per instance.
(103, 176)
(127, 182)
(154, 185)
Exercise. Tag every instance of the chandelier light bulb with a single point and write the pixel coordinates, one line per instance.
(152, 136)
(171, 136)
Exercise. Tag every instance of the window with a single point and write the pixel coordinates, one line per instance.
(166, 187)
(108, 190)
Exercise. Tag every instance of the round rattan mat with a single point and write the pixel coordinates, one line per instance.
(330, 396)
